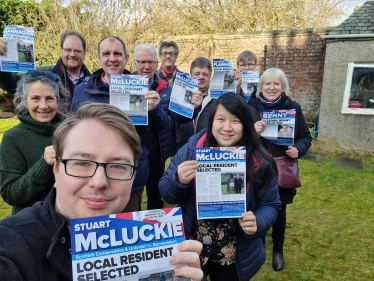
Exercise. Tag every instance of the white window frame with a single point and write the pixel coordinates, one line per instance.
(347, 91)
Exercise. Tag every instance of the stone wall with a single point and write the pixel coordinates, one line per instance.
(299, 53)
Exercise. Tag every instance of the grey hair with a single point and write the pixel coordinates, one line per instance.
(22, 92)
(201, 62)
(272, 74)
(146, 47)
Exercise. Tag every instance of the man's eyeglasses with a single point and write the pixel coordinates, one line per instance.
(37, 73)
(69, 51)
(86, 168)
(143, 62)
(164, 54)
(247, 65)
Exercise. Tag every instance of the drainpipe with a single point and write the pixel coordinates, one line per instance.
(265, 51)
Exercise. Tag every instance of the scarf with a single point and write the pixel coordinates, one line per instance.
(271, 105)
(167, 73)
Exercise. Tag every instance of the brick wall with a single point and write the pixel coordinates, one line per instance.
(299, 53)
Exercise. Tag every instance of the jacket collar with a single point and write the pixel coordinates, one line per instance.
(96, 86)
(256, 102)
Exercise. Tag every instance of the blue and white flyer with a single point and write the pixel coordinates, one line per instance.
(126, 247)
(249, 82)
(20, 49)
(218, 167)
(280, 126)
(222, 80)
(181, 95)
(127, 92)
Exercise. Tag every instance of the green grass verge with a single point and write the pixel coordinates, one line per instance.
(330, 228)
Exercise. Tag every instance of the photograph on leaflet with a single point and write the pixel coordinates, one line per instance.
(232, 183)
(138, 103)
(187, 96)
(228, 82)
(163, 276)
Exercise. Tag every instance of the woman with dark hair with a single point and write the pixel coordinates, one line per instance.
(26, 153)
(232, 248)
(272, 94)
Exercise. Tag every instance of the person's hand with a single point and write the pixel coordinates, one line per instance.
(2, 46)
(50, 155)
(292, 152)
(248, 223)
(189, 254)
(153, 99)
(260, 127)
(197, 99)
(238, 77)
(186, 171)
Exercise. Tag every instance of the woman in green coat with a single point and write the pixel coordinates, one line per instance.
(26, 153)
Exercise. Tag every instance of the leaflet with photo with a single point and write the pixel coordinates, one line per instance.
(127, 246)
(222, 80)
(216, 196)
(181, 95)
(249, 82)
(20, 49)
(280, 126)
(127, 92)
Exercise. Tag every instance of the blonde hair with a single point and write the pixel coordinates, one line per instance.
(273, 74)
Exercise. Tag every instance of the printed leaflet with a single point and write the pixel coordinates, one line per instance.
(222, 80)
(218, 167)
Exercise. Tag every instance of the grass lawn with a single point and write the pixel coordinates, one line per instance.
(330, 228)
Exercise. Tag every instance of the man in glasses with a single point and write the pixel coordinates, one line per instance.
(92, 178)
(168, 52)
(247, 61)
(158, 141)
(69, 67)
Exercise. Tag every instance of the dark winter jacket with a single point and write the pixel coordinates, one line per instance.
(181, 133)
(250, 253)
(94, 90)
(35, 244)
(164, 91)
(25, 176)
(302, 140)
(9, 80)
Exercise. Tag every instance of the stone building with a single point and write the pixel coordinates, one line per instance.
(347, 105)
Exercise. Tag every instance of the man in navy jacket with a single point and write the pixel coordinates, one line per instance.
(158, 142)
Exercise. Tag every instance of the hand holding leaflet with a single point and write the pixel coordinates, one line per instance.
(248, 223)
(189, 252)
(153, 99)
(187, 171)
(260, 127)
(197, 99)
(2, 47)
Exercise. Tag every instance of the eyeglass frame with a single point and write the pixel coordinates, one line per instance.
(247, 64)
(78, 52)
(98, 164)
(37, 73)
(171, 54)
(150, 63)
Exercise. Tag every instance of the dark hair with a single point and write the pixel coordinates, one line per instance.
(168, 44)
(113, 38)
(236, 105)
(201, 62)
(69, 32)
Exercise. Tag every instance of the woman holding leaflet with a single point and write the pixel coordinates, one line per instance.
(232, 248)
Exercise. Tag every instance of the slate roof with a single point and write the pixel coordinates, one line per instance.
(360, 22)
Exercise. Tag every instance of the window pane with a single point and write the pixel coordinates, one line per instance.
(362, 88)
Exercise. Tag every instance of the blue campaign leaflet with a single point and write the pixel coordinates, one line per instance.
(249, 82)
(127, 92)
(221, 182)
(222, 80)
(280, 126)
(20, 49)
(181, 95)
(125, 246)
